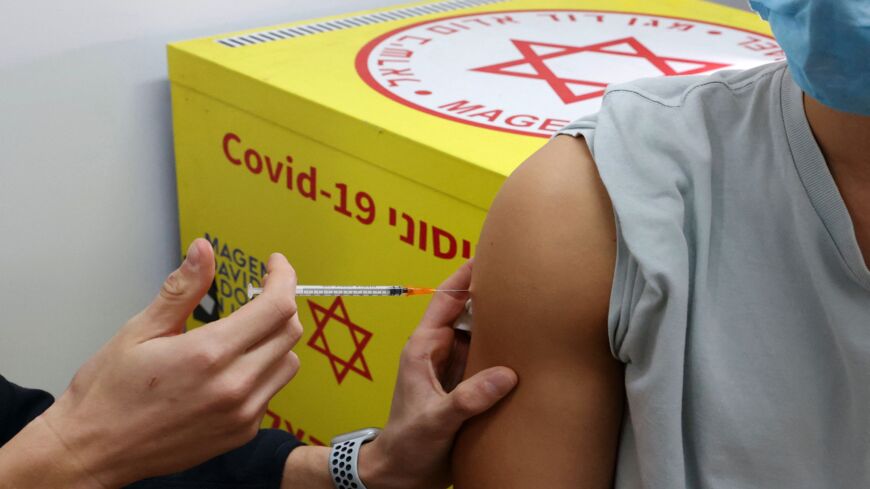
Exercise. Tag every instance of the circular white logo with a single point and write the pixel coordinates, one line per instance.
(532, 72)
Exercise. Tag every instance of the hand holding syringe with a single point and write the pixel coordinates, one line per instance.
(356, 290)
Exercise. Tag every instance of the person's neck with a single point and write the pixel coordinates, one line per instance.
(844, 139)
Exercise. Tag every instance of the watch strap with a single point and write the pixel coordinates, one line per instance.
(343, 463)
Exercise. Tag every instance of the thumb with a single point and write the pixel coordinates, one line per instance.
(180, 293)
(479, 393)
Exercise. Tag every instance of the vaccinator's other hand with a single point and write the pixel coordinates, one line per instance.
(413, 451)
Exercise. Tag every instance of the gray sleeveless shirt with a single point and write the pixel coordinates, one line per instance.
(741, 300)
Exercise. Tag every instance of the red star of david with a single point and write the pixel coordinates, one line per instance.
(630, 47)
(340, 366)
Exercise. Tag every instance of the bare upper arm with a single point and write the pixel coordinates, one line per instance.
(540, 287)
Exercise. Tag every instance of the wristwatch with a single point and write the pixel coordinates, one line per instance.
(344, 457)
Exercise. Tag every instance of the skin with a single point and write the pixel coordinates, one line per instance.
(560, 427)
(540, 306)
(844, 139)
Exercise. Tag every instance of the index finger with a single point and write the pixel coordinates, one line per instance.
(270, 310)
(445, 307)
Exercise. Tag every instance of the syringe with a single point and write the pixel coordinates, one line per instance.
(356, 290)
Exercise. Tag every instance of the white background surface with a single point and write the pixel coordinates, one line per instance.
(87, 184)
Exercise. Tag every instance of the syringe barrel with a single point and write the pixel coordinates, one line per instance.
(349, 290)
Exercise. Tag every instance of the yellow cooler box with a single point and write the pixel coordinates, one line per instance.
(368, 147)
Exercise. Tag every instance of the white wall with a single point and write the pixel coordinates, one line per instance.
(87, 187)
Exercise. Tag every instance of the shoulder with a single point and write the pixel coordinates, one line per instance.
(548, 245)
(678, 91)
(659, 131)
(662, 136)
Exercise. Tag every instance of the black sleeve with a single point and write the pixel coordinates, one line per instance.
(259, 464)
(19, 406)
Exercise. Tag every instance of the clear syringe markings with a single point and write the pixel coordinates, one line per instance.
(356, 290)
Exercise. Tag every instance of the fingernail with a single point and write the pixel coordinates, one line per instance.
(500, 383)
(192, 255)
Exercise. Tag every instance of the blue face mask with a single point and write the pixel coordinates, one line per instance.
(827, 45)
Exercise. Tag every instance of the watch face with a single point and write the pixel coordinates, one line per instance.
(367, 434)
